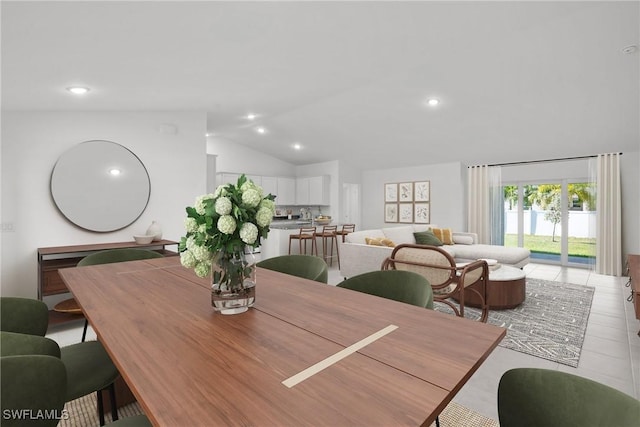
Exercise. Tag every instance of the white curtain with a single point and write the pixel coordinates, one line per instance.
(485, 204)
(608, 215)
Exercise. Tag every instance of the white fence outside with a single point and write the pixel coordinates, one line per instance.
(581, 223)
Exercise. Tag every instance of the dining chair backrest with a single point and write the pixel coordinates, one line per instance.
(24, 315)
(16, 344)
(33, 390)
(532, 397)
(306, 266)
(118, 255)
(398, 285)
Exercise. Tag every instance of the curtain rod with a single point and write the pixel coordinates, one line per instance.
(548, 160)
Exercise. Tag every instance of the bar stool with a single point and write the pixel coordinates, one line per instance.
(328, 234)
(305, 234)
(346, 229)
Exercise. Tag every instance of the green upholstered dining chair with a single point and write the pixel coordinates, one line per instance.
(305, 266)
(108, 256)
(532, 397)
(398, 285)
(24, 315)
(33, 392)
(30, 384)
(89, 367)
(404, 286)
(16, 344)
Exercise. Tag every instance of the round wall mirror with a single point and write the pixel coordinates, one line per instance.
(100, 186)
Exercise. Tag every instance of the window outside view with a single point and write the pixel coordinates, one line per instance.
(535, 217)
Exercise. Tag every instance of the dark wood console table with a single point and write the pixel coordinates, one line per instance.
(633, 270)
(51, 259)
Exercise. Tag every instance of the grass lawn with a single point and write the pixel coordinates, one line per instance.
(578, 246)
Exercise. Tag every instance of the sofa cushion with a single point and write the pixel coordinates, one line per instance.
(504, 254)
(462, 240)
(444, 235)
(417, 228)
(399, 235)
(360, 236)
(379, 241)
(427, 238)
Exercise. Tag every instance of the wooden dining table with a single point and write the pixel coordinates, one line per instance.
(306, 354)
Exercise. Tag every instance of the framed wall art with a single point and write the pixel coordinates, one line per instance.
(405, 212)
(407, 202)
(421, 213)
(391, 212)
(391, 192)
(421, 191)
(405, 192)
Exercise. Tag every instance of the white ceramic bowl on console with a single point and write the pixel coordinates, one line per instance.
(143, 239)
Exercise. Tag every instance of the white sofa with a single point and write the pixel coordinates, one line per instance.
(356, 257)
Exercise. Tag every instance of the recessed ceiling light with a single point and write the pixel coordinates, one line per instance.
(261, 130)
(115, 171)
(297, 146)
(78, 90)
(630, 49)
(251, 116)
(433, 102)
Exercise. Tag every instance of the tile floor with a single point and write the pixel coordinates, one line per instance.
(610, 353)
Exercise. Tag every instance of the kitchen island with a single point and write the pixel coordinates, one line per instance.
(277, 242)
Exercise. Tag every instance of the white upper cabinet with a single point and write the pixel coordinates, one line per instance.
(286, 191)
(227, 178)
(304, 191)
(270, 185)
(313, 190)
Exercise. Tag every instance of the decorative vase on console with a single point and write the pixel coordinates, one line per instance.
(223, 228)
(155, 230)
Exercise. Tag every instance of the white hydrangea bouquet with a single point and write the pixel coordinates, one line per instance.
(221, 226)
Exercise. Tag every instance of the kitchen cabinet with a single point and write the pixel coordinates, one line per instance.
(270, 186)
(313, 190)
(286, 191)
(227, 178)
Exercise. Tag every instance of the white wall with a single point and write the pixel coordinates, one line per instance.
(238, 158)
(448, 195)
(33, 141)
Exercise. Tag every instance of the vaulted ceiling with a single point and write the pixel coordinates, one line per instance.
(517, 80)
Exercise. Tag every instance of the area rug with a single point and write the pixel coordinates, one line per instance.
(549, 324)
(83, 413)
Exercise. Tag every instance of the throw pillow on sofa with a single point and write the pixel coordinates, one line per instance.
(462, 240)
(427, 238)
(444, 235)
(379, 241)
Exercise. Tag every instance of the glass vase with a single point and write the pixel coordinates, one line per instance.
(233, 288)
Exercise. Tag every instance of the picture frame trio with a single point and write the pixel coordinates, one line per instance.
(407, 202)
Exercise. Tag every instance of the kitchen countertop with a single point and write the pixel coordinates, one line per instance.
(292, 224)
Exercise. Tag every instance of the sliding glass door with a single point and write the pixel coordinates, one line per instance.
(553, 219)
